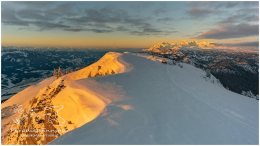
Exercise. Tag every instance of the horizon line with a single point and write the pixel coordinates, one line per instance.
(67, 47)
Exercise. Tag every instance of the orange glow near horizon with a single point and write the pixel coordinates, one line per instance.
(56, 38)
(72, 42)
(67, 41)
(99, 41)
(81, 41)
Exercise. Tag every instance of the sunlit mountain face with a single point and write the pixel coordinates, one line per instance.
(202, 45)
(25, 66)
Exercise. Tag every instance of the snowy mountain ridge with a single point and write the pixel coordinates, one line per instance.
(144, 102)
(108, 64)
(44, 107)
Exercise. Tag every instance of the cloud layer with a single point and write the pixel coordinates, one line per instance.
(170, 20)
(230, 31)
(65, 16)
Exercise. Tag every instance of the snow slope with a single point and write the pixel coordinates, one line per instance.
(54, 104)
(130, 99)
(155, 103)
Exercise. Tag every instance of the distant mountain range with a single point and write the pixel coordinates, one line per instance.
(236, 70)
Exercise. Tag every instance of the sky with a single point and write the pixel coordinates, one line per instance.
(132, 24)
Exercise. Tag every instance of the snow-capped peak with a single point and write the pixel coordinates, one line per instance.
(168, 47)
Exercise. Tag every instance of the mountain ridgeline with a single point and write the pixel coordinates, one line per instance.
(236, 70)
(130, 98)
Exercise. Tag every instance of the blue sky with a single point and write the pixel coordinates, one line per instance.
(124, 23)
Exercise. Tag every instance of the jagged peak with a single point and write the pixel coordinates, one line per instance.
(165, 47)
